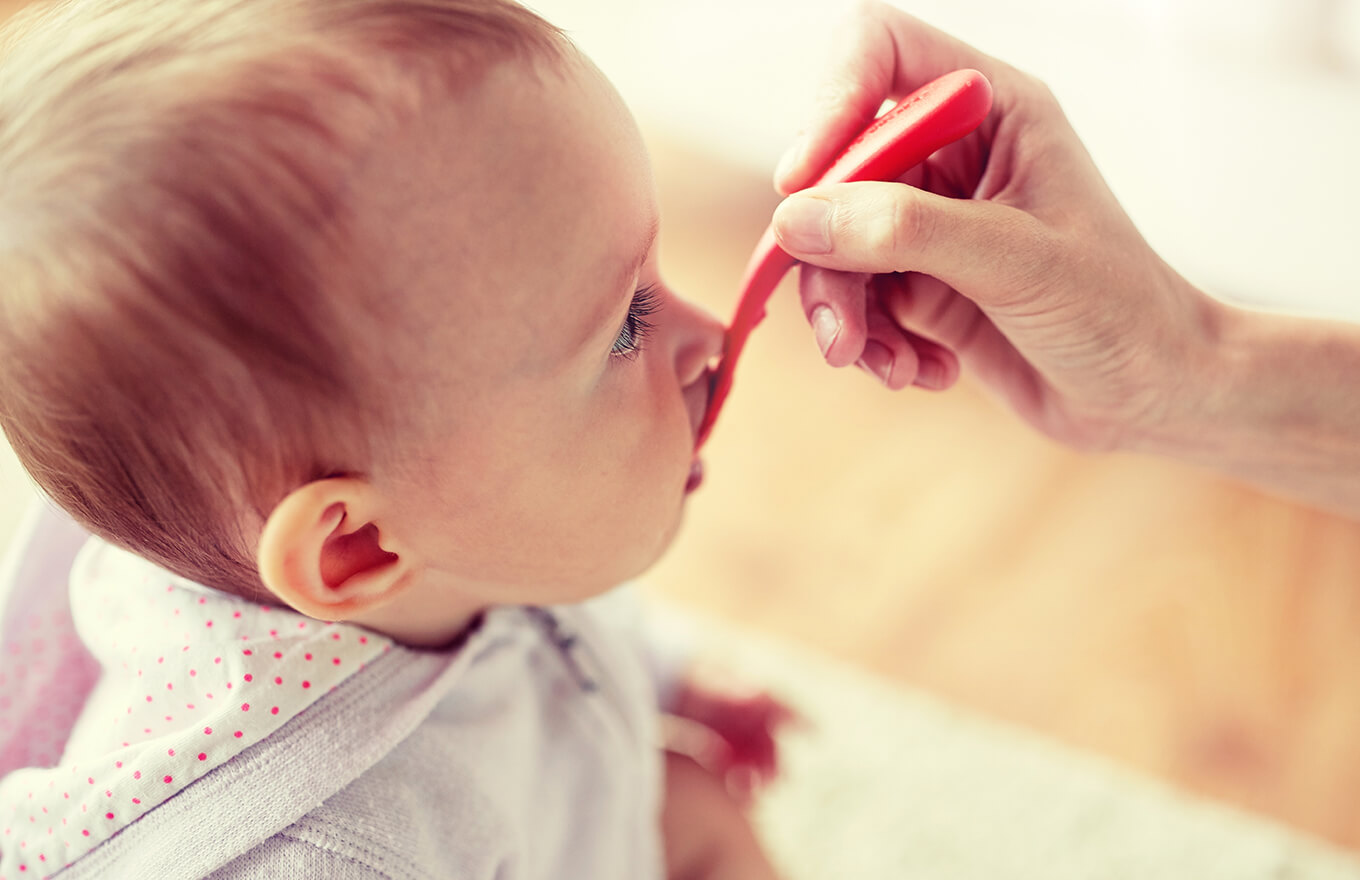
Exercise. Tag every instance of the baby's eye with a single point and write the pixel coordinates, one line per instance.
(633, 334)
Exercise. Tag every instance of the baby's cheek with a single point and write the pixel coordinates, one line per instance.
(650, 512)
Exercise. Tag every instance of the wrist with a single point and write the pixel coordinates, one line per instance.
(1192, 369)
(1269, 399)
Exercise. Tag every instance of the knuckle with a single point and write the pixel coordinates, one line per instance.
(900, 229)
(1037, 93)
(879, 236)
(853, 89)
(866, 15)
(828, 91)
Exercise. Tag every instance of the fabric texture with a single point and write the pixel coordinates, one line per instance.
(45, 671)
(883, 780)
(229, 739)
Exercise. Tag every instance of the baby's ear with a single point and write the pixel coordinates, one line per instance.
(323, 551)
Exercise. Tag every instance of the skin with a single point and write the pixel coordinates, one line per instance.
(538, 463)
(708, 836)
(548, 448)
(1009, 256)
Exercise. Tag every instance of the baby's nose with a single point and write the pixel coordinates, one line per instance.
(700, 342)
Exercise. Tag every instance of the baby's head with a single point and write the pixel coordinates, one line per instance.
(355, 298)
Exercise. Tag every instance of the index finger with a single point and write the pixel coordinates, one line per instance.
(885, 55)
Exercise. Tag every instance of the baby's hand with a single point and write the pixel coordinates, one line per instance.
(731, 732)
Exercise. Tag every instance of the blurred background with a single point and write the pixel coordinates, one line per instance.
(1192, 629)
(1198, 631)
(1228, 128)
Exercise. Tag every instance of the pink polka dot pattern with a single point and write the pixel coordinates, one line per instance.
(175, 700)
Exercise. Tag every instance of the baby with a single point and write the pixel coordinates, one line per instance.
(339, 323)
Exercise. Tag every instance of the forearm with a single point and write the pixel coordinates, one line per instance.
(1276, 404)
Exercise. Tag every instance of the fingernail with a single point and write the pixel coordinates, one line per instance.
(877, 360)
(826, 327)
(804, 224)
(930, 374)
(789, 160)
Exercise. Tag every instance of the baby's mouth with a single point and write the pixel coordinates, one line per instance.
(713, 397)
(696, 467)
(698, 421)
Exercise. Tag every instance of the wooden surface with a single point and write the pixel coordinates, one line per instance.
(1196, 630)
(1191, 628)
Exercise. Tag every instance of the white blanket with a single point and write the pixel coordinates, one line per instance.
(890, 783)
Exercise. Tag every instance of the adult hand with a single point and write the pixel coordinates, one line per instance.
(1007, 252)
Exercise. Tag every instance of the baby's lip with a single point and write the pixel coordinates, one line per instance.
(700, 398)
(705, 426)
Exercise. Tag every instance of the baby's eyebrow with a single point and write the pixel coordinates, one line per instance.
(633, 268)
(607, 313)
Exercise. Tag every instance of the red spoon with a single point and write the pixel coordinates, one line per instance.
(933, 116)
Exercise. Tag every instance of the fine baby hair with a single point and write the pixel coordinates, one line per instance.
(184, 289)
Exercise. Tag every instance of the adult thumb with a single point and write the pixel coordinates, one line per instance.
(972, 245)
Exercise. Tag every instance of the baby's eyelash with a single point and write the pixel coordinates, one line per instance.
(636, 328)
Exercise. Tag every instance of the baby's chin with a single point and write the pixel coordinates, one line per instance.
(640, 563)
(667, 537)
